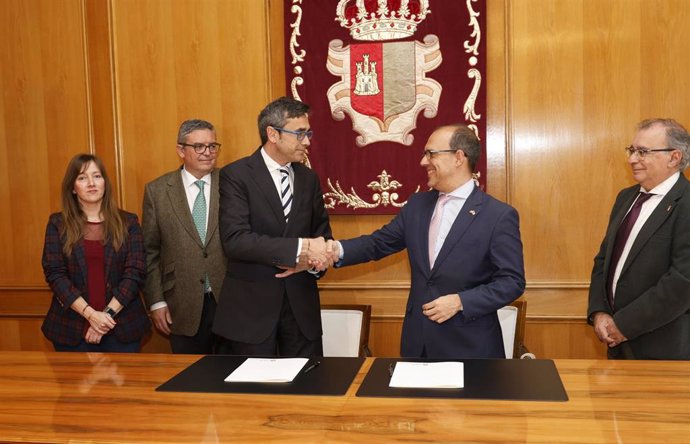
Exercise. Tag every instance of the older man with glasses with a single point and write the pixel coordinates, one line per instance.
(639, 296)
(184, 256)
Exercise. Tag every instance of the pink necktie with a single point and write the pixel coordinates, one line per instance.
(435, 226)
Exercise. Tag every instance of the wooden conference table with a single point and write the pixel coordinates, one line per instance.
(74, 397)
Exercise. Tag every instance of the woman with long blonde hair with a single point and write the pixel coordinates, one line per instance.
(95, 263)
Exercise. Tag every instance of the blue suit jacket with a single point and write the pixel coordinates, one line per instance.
(481, 259)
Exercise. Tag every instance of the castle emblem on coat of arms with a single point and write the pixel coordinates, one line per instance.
(383, 86)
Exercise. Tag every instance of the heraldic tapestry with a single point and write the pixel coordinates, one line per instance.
(380, 76)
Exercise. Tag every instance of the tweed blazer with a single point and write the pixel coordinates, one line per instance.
(177, 261)
(67, 277)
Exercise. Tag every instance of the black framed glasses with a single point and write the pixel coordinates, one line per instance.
(643, 152)
(429, 154)
(200, 148)
(300, 135)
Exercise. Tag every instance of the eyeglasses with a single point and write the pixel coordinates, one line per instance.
(643, 152)
(430, 153)
(200, 148)
(299, 134)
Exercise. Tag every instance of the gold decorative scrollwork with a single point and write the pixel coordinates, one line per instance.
(384, 194)
(473, 48)
(470, 114)
(297, 56)
(468, 109)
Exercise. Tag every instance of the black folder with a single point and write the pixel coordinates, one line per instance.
(496, 379)
(332, 377)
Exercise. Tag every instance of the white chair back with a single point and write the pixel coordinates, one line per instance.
(341, 332)
(507, 316)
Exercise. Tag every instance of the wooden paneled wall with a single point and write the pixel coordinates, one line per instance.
(567, 81)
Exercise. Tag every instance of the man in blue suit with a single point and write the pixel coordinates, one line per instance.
(465, 255)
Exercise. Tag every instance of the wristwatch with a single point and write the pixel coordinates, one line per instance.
(110, 312)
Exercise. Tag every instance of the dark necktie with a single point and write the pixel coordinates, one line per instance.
(621, 239)
(285, 192)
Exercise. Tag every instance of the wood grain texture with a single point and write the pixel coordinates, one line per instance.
(182, 60)
(565, 87)
(610, 401)
(43, 123)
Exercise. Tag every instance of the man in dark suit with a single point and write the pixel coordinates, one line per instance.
(464, 250)
(184, 257)
(270, 205)
(639, 296)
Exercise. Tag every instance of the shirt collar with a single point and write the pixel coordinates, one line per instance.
(664, 187)
(188, 178)
(271, 164)
(463, 191)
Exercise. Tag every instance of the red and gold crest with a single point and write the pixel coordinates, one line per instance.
(400, 69)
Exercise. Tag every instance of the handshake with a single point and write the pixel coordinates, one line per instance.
(317, 254)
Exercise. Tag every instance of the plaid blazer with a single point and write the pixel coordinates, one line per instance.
(125, 272)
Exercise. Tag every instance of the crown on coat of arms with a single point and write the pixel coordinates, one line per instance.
(381, 19)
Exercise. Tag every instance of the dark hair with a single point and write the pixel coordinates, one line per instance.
(74, 218)
(465, 140)
(677, 137)
(189, 126)
(276, 113)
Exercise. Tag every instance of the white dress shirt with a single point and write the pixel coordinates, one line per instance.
(191, 191)
(274, 168)
(648, 207)
(450, 212)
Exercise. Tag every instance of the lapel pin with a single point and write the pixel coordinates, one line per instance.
(472, 212)
(669, 208)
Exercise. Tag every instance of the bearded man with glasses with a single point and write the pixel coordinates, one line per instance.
(184, 257)
(639, 295)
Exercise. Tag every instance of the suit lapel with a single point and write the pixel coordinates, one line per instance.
(463, 221)
(613, 228)
(180, 207)
(656, 219)
(300, 193)
(266, 186)
(212, 223)
(426, 212)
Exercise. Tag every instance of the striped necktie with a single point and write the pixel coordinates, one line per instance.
(285, 192)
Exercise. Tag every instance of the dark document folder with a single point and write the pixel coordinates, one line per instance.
(332, 376)
(497, 379)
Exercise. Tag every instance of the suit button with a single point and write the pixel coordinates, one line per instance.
(201, 281)
(430, 284)
(205, 255)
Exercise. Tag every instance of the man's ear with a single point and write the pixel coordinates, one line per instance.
(272, 134)
(460, 157)
(675, 159)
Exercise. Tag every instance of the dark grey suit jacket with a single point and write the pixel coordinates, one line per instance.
(652, 307)
(257, 240)
(176, 259)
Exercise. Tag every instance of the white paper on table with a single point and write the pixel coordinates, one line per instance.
(267, 370)
(428, 375)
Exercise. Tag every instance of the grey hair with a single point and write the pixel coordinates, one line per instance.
(677, 137)
(189, 126)
(276, 113)
(465, 140)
